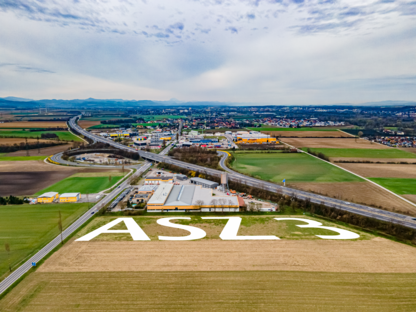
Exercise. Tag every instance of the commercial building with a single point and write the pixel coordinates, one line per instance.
(183, 198)
(158, 180)
(204, 183)
(48, 197)
(147, 189)
(254, 138)
(69, 197)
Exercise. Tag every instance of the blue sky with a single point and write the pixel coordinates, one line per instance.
(254, 51)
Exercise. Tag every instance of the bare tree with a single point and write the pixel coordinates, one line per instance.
(7, 248)
(199, 203)
(214, 204)
(222, 203)
(109, 178)
(60, 225)
(230, 203)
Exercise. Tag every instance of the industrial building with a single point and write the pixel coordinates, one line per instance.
(158, 180)
(48, 197)
(244, 137)
(204, 183)
(184, 198)
(69, 197)
(147, 189)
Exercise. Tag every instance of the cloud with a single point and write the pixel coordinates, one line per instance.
(26, 68)
(232, 29)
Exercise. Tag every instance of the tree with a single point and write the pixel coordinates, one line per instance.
(7, 248)
(360, 134)
(199, 203)
(222, 203)
(122, 168)
(214, 203)
(109, 178)
(60, 225)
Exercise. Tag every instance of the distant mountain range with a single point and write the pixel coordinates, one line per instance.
(12, 101)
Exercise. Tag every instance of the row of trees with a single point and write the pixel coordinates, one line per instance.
(12, 200)
(197, 155)
(23, 146)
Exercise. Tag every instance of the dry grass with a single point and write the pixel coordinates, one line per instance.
(358, 192)
(34, 124)
(213, 291)
(375, 160)
(308, 134)
(46, 151)
(11, 141)
(333, 143)
(88, 123)
(382, 170)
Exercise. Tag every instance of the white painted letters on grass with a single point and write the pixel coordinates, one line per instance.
(132, 228)
(195, 232)
(343, 234)
(230, 231)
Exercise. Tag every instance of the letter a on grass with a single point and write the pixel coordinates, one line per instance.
(132, 228)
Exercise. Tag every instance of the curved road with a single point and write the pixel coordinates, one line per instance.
(328, 201)
(58, 159)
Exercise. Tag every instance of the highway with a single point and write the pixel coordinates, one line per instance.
(235, 176)
(26, 266)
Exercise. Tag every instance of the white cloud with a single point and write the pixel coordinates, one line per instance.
(263, 51)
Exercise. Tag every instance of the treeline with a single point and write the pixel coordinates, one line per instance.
(118, 121)
(48, 129)
(22, 146)
(49, 136)
(12, 200)
(197, 155)
(399, 231)
(258, 147)
(319, 155)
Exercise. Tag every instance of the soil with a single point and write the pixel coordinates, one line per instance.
(308, 134)
(47, 151)
(376, 255)
(87, 123)
(412, 198)
(11, 141)
(358, 192)
(375, 160)
(410, 149)
(382, 170)
(34, 124)
(333, 143)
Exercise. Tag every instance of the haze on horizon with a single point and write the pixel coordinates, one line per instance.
(255, 51)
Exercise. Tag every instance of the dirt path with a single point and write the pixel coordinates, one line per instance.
(376, 255)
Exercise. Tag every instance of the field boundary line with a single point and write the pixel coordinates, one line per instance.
(69, 129)
(382, 187)
(121, 180)
(346, 133)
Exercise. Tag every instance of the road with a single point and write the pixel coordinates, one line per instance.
(58, 159)
(235, 176)
(26, 266)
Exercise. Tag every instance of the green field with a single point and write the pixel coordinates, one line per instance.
(213, 291)
(27, 228)
(63, 135)
(363, 153)
(294, 167)
(398, 186)
(292, 129)
(104, 126)
(20, 158)
(83, 185)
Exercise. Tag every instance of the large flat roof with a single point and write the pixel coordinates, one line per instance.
(48, 194)
(70, 195)
(181, 195)
(204, 181)
(161, 194)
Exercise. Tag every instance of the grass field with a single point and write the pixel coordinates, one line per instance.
(398, 186)
(294, 167)
(292, 129)
(20, 158)
(250, 225)
(27, 228)
(363, 153)
(213, 291)
(83, 185)
(63, 135)
(33, 124)
(104, 126)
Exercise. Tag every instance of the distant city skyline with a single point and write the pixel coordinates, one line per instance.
(249, 51)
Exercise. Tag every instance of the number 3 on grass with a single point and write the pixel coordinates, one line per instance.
(343, 234)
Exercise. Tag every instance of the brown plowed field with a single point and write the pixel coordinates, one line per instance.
(375, 160)
(358, 192)
(308, 134)
(410, 150)
(34, 124)
(376, 255)
(333, 143)
(47, 151)
(410, 197)
(381, 170)
(87, 123)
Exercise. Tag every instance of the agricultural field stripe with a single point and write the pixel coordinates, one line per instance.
(25, 267)
(397, 195)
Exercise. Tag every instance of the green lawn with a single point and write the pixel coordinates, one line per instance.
(294, 167)
(21, 158)
(63, 135)
(363, 153)
(83, 185)
(292, 129)
(27, 228)
(398, 186)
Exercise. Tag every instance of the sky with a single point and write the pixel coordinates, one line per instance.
(283, 52)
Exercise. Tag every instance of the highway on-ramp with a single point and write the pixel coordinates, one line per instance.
(235, 176)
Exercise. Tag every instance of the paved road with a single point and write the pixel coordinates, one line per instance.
(25, 267)
(58, 159)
